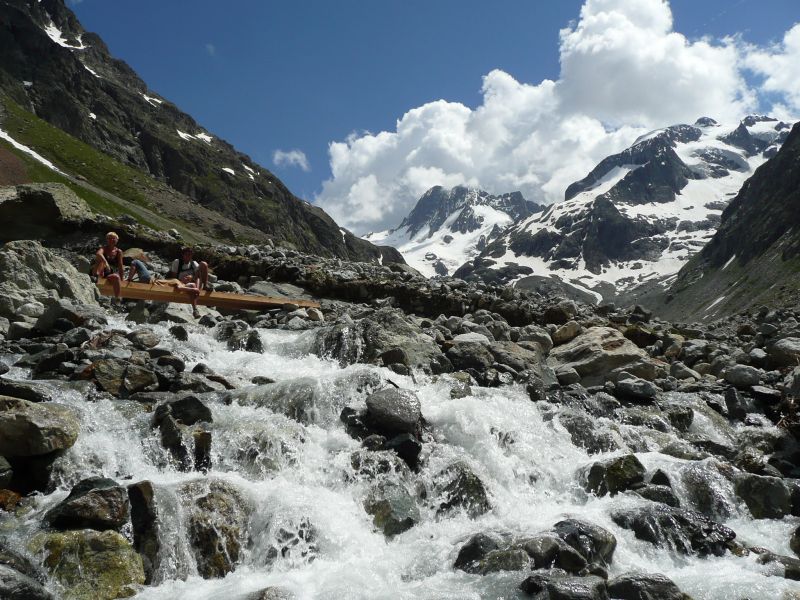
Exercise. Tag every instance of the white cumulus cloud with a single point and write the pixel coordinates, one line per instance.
(291, 158)
(624, 71)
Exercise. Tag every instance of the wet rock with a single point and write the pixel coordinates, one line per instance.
(393, 509)
(248, 340)
(594, 543)
(475, 550)
(586, 434)
(218, 530)
(90, 564)
(393, 411)
(143, 339)
(506, 559)
(139, 379)
(18, 586)
(272, 593)
(640, 586)
(94, 503)
(559, 586)
(110, 375)
(407, 447)
(6, 473)
(365, 340)
(794, 541)
(594, 353)
(195, 382)
(548, 550)
(34, 429)
(659, 493)
(178, 419)
(766, 497)
(708, 488)
(614, 475)
(179, 332)
(458, 488)
(791, 565)
(144, 519)
(686, 531)
(26, 390)
(742, 376)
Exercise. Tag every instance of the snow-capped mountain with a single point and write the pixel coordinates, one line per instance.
(640, 214)
(448, 227)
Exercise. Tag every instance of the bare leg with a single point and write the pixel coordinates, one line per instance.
(203, 279)
(115, 281)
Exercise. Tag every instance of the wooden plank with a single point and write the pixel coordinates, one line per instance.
(167, 293)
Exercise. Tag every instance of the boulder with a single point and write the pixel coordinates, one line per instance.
(475, 550)
(94, 503)
(594, 543)
(6, 473)
(742, 376)
(80, 315)
(641, 586)
(393, 411)
(766, 497)
(393, 509)
(556, 585)
(614, 475)
(40, 211)
(27, 390)
(567, 332)
(90, 564)
(634, 388)
(368, 338)
(458, 488)
(470, 355)
(144, 522)
(217, 529)
(34, 429)
(594, 353)
(791, 565)
(585, 433)
(686, 531)
(18, 586)
(548, 550)
(30, 272)
(784, 353)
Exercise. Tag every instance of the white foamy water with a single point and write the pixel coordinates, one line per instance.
(304, 477)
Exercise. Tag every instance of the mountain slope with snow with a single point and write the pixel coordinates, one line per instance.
(640, 214)
(448, 227)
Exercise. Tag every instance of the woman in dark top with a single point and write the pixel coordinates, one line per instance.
(108, 262)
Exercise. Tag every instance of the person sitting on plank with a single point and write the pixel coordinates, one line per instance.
(138, 265)
(108, 262)
(192, 275)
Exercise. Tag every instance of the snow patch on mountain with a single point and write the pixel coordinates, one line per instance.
(640, 214)
(450, 226)
(5, 136)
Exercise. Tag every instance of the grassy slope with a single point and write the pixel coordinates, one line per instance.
(110, 187)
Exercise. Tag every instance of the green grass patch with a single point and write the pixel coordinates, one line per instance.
(72, 155)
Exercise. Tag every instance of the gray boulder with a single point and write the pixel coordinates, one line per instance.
(393, 508)
(766, 497)
(614, 475)
(784, 353)
(28, 271)
(34, 429)
(41, 210)
(641, 586)
(742, 376)
(594, 543)
(392, 411)
(18, 586)
(594, 353)
(685, 531)
(94, 503)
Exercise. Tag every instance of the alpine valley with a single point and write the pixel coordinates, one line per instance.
(630, 224)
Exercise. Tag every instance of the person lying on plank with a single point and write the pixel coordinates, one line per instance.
(192, 275)
(138, 265)
(108, 262)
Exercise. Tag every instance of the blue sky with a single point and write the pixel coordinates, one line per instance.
(298, 75)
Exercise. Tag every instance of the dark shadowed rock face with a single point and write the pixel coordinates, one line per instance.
(95, 503)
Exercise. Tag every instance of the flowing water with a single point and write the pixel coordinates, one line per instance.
(305, 479)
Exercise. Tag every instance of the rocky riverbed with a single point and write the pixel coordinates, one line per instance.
(411, 439)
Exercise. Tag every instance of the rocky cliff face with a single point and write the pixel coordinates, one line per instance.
(448, 227)
(754, 257)
(53, 68)
(639, 215)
